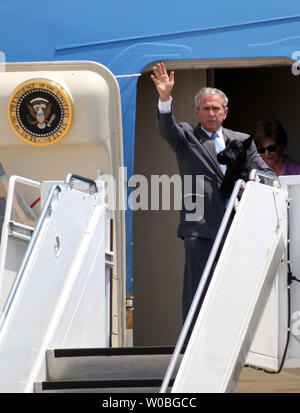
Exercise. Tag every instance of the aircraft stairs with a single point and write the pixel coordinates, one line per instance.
(254, 252)
(106, 370)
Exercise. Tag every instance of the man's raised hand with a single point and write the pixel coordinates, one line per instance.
(164, 83)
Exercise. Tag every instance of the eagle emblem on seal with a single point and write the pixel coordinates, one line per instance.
(40, 113)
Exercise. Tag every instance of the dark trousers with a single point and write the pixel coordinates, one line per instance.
(197, 251)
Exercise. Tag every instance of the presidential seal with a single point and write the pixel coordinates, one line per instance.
(40, 112)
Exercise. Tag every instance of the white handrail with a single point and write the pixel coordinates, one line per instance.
(256, 174)
(201, 286)
(7, 216)
(16, 282)
(192, 311)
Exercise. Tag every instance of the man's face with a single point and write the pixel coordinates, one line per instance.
(211, 113)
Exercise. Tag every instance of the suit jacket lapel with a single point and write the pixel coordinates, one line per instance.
(226, 136)
(209, 146)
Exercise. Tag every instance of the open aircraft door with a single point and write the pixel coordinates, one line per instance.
(59, 118)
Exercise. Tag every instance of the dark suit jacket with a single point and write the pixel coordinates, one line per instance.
(197, 156)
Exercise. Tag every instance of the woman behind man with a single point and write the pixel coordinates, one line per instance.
(271, 139)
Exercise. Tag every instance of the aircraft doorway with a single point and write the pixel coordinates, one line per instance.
(158, 255)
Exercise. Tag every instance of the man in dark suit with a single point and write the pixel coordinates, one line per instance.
(196, 151)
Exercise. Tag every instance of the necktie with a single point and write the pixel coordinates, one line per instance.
(219, 144)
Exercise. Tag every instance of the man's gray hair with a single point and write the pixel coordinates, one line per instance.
(210, 91)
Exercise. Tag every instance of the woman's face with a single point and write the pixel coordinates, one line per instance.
(272, 153)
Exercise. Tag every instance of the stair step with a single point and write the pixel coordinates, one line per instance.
(114, 351)
(100, 386)
(107, 364)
